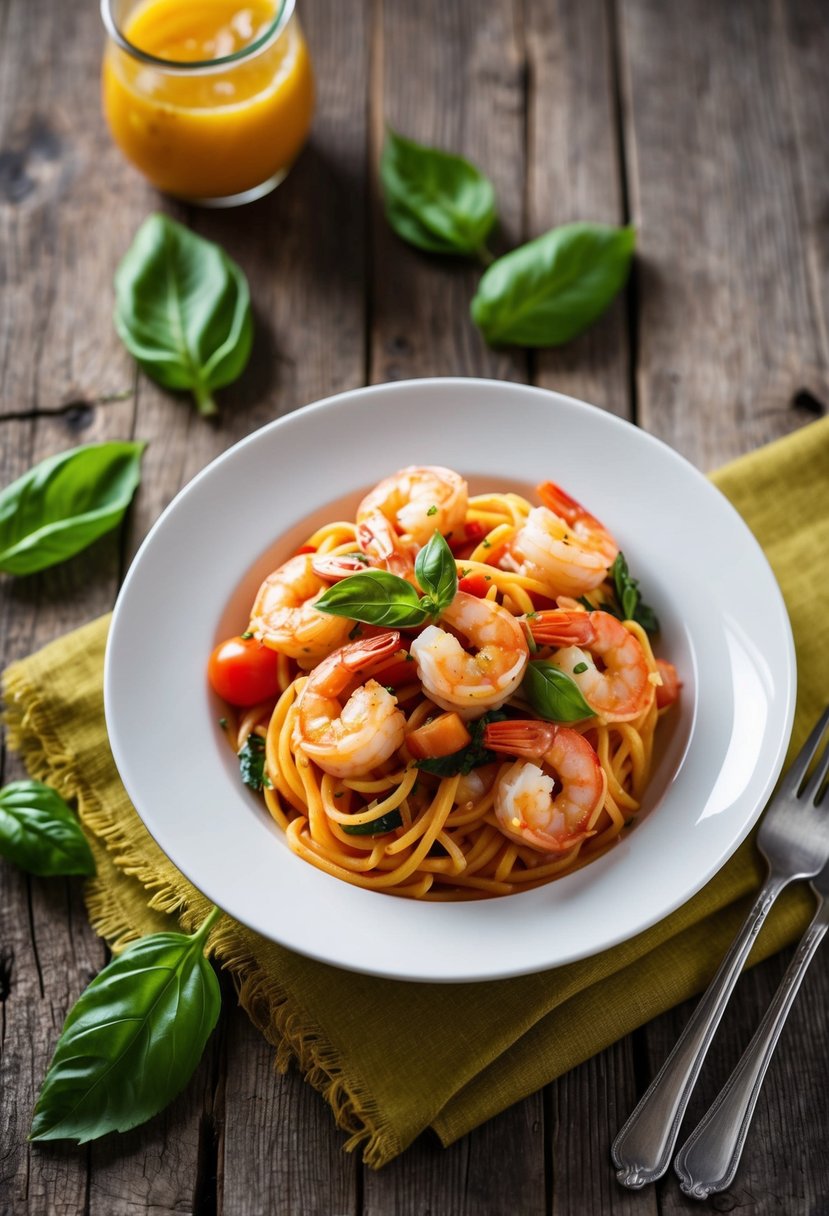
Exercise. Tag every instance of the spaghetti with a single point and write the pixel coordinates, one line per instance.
(476, 740)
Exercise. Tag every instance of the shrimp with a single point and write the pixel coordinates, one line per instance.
(284, 616)
(526, 807)
(352, 739)
(620, 687)
(562, 545)
(471, 683)
(406, 509)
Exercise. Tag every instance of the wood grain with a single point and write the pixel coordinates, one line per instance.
(706, 122)
(728, 330)
(448, 74)
(574, 173)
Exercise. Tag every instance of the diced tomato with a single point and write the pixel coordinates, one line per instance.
(475, 583)
(443, 736)
(668, 691)
(305, 549)
(467, 541)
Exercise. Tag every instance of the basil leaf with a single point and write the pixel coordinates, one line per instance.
(39, 833)
(469, 757)
(252, 763)
(549, 290)
(65, 503)
(132, 1039)
(437, 572)
(553, 694)
(631, 606)
(374, 597)
(434, 200)
(386, 823)
(183, 310)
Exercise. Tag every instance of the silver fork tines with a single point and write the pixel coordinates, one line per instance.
(794, 839)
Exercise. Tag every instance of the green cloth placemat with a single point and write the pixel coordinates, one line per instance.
(394, 1058)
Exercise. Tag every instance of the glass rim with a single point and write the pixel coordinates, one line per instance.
(202, 66)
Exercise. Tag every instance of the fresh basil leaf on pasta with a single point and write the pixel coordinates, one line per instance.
(183, 310)
(553, 694)
(437, 572)
(252, 763)
(472, 756)
(65, 503)
(435, 200)
(548, 291)
(375, 597)
(132, 1039)
(386, 823)
(39, 833)
(631, 606)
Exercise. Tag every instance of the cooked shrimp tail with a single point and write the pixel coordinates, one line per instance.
(333, 567)
(554, 627)
(520, 737)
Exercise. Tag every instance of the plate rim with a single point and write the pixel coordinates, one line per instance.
(607, 419)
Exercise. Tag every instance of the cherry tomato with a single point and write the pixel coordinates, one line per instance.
(243, 671)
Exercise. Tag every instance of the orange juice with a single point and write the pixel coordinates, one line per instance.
(210, 100)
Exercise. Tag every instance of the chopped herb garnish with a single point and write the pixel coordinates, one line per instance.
(223, 723)
(579, 668)
(252, 763)
(246, 636)
(339, 793)
(432, 511)
(469, 757)
(390, 688)
(486, 544)
(386, 823)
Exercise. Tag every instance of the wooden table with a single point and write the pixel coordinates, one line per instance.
(703, 122)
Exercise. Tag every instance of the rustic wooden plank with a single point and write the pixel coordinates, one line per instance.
(48, 954)
(785, 1165)
(169, 1165)
(497, 1168)
(279, 1149)
(304, 251)
(452, 75)
(728, 334)
(61, 186)
(49, 950)
(803, 33)
(574, 173)
(587, 1107)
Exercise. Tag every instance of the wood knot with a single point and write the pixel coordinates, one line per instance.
(29, 162)
(78, 416)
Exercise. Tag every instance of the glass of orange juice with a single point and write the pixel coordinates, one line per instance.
(211, 99)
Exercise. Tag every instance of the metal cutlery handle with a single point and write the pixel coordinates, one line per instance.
(709, 1158)
(643, 1148)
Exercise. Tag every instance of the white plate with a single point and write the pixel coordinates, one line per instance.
(724, 626)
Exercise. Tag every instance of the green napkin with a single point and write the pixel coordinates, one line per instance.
(393, 1058)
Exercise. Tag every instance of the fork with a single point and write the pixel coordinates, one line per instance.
(709, 1158)
(794, 840)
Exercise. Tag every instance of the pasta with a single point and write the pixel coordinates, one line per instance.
(443, 697)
